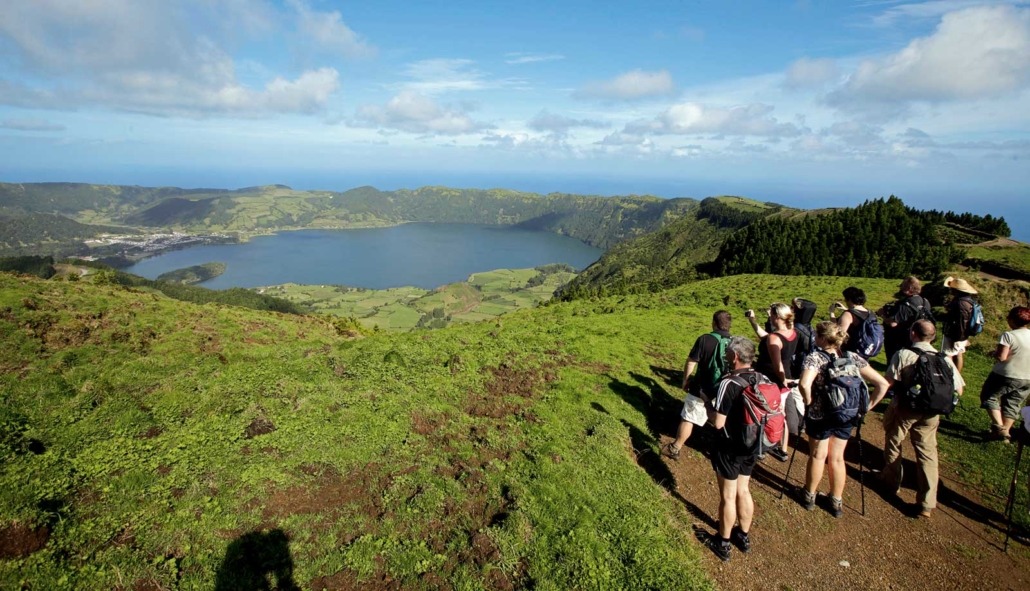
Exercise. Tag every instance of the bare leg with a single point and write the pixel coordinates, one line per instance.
(838, 470)
(745, 504)
(727, 506)
(960, 361)
(816, 462)
(683, 434)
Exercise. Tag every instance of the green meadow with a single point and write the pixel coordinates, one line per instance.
(483, 296)
(150, 443)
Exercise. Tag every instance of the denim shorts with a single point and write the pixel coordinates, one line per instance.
(820, 430)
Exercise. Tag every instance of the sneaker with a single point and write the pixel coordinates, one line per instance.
(719, 546)
(741, 540)
(836, 507)
(779, 454)
(807, 499)
(670, 450)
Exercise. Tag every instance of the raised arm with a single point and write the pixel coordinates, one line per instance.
(879, 383)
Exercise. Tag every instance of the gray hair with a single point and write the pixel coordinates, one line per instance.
(743, 349)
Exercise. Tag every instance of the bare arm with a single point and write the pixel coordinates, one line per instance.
(805, 384)
(880, 385)
(719, 421)
(1002, 353)
(754, 324)
(687, 370)
(845, 320)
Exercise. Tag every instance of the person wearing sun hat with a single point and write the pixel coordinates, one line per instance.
(959, 313)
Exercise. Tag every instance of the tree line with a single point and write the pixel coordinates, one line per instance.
(880, 238)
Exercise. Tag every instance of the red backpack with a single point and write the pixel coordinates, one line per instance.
(762, 413)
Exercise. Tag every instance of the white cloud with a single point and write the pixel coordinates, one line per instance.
(434, 76)
(517, 58)
(30, 125)
(146, 56)
(416, 113)
(981, 52)
(328, 30)
(692, 118)
(811, 73)
(933, 9)
(633, 85)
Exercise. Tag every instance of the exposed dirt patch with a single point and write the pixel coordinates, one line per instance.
(259, 426)
(19, 540)
(151, 433)
(959, 547)
(359, 490)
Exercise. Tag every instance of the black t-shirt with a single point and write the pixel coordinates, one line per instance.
(729, 401)
(705, 348)
(906, 311)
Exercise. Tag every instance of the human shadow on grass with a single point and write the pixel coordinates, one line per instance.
(259, 560)
(959, 431)
(644, 447)
(654, 403)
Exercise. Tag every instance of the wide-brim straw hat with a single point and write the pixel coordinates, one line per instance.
(959, 284)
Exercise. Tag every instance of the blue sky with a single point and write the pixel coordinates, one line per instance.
(806, 103)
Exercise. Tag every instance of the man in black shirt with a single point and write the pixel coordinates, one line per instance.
(708, 358)
(732, 460)
(899, 315)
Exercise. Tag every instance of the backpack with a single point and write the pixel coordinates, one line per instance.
(805, 344)
(976, 320)
(845, 394)
(763, 418)
(933, 392)
(870, 335)
(921, 312)
(717, 364)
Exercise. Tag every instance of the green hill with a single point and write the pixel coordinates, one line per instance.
(152, 443)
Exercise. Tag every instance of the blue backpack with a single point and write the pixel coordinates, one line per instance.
(846, 394)
(976, 319)
(870, 335)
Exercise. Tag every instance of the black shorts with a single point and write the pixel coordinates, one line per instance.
(729, 466)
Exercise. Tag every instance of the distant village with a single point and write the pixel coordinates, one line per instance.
(140, 246)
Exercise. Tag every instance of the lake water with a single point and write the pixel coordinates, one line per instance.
(421, 255)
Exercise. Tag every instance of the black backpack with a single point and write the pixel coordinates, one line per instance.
(933, 391)
(920, 312)
(804, 346)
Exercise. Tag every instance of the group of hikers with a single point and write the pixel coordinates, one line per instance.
(817, 380)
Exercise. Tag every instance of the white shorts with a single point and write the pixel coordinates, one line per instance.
(950, 348)
(694, 410)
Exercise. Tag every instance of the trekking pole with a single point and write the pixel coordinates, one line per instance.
(786, 475)
(861, 462)
(1010, 504)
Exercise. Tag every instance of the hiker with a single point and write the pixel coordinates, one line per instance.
(732, 459)
(899, 315)
(918, 374)
(852, 320)
(708, 357)
(775, 354)
(961, 320)
(804, 312)
(827, 432)
(1006, 388)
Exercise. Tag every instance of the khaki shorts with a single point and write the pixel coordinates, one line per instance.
(694, 410)
(950, 348)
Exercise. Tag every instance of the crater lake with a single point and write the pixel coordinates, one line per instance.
(425, 255)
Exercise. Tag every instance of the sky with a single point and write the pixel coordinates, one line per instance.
(805, 103)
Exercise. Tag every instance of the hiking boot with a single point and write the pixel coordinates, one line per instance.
(741, 540)
(719, 546)
(836, 507)
(807, 499)
(779, 454)
(670, 450)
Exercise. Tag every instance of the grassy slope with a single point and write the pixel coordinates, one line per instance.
(486, 454)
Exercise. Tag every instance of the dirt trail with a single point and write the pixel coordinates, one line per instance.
(959, 547)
